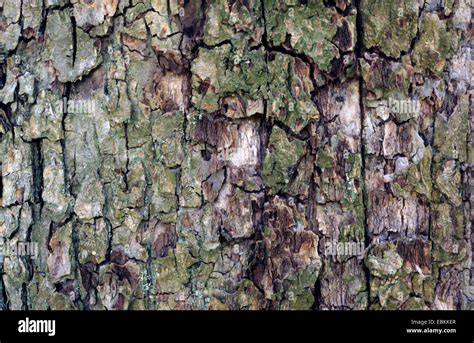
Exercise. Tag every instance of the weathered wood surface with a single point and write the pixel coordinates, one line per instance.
(205, 154)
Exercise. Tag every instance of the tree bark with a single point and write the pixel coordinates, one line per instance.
(232, 154)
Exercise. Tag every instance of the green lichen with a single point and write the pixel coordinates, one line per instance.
(324, 159)
(438, 42)
(227, 69)
(450, 135)
(69, 65)
(290, 92)
(167, 133)
(390, 26)
(418, 178)
(306, 35)
(234, 22)
(414, 304)
(388, 80)
(280, 160)
(386, 265)
(391, 296)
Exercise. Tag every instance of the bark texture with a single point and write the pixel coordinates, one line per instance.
(204, 154)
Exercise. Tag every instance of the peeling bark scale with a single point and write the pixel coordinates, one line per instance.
(236, 154)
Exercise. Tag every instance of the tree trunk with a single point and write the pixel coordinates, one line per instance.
(236, 154)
